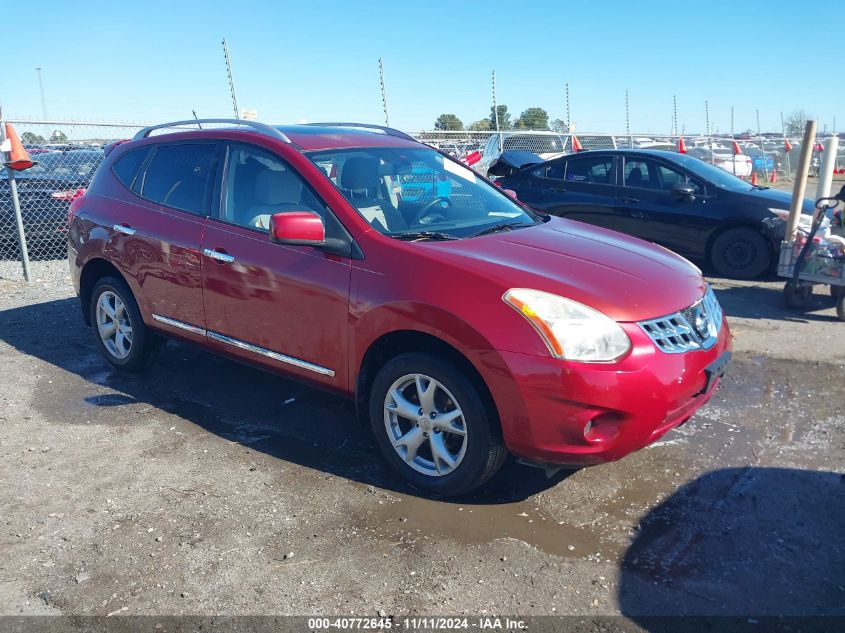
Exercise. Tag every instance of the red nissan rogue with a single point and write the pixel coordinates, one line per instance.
(464, 325)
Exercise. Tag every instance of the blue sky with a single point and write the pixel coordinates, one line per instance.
(318, 60)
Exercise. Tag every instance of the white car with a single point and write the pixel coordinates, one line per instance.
(724, 158)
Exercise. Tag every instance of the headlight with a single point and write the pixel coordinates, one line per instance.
(571, 330)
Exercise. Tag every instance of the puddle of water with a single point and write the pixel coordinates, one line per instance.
(414, 519)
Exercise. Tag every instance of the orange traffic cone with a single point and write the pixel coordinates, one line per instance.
(576, 144)
(774, 178)
(754, 178)
(787, 145)
(682, 146)
(18, 157)
(736, 148)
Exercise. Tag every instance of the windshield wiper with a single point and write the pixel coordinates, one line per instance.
(423, 235)
(505, 226)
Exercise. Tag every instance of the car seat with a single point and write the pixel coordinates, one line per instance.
(361, 181)
(275, 192)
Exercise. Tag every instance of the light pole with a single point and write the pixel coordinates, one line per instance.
(41, 88)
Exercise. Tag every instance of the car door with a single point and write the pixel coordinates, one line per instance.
(156, 237)
(581, 188)
(281, 306)
(652, 212)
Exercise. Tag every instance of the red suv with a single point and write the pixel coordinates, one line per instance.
(463, 324)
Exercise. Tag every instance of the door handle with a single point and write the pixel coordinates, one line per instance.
(219, 255)
(629, 200)
(124, 228)
(638, 214)
(557, 189)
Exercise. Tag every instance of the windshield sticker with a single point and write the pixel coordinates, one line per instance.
(459, 170)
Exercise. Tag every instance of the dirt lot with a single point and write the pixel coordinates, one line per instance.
(207, 487)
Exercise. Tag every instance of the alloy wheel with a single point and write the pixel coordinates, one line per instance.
(425, 425)
(114, 325)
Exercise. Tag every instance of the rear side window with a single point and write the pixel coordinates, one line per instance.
(179, 176)
(127, 166)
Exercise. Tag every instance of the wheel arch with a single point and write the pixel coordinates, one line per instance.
(399, 342)
(94, 270)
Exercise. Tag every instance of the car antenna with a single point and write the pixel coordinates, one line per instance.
(199, 125)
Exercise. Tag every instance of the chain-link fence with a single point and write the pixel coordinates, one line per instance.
(766, 157)
(67, 154)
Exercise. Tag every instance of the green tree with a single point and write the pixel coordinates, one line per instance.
(795, 122)
(559, 125)
(534, 119)
(58, 136)
(30, 138)
(504, 118)
(448, 122)
(482, 125)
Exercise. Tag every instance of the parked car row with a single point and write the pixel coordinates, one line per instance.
(45, 192)
(464, 324)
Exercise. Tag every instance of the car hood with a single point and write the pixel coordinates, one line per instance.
(626, 278)
(777, 199)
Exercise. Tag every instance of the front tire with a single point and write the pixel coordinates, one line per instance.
(123, 339)
(741, 253)
(432, 427)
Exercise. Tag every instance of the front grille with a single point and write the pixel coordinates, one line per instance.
(696, 327)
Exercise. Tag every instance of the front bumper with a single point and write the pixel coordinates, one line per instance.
(579, 414)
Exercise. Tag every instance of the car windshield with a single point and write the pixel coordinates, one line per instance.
(715, 175)
(418, 193)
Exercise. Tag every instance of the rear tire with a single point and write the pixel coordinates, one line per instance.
(432, 427)
(741, 253)
(121, 335)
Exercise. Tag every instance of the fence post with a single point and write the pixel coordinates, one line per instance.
(16, 205)
(801, 171)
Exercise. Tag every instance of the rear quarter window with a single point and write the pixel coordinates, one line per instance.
(179, 176)
(126, 167)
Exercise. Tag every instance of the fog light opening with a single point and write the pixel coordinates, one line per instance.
(602, 428)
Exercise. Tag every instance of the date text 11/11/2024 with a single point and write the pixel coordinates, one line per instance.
(417, 623)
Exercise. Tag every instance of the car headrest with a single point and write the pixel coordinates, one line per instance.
(360, 173)
(277, 187)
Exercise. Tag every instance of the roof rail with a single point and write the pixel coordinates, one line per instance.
(265, 129)
(367, 126)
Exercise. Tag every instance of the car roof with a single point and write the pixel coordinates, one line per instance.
(305, 137)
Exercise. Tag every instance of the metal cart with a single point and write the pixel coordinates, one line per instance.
(807, 262)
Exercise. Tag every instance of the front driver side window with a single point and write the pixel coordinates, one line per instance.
(258, 185)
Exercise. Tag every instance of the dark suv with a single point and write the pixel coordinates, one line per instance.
(463, 324)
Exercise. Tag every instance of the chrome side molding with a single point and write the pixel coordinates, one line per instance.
(249, 347)
(282, 358)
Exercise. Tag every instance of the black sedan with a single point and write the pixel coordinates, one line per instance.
(680, 202)
(45, 192)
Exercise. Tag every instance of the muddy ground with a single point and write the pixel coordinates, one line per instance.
(207, 487)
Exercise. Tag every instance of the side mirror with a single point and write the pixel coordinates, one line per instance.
(511, 193)
(683, 191)
(841, 195)
(301, 228)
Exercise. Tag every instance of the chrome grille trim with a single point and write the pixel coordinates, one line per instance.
(695, 327)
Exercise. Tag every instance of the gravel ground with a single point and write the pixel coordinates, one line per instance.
(206, 487)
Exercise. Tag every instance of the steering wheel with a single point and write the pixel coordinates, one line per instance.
(428, 206)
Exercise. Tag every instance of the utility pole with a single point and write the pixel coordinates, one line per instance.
(496, 111)
(568, 114)
(762, 147)
(674, 115)
(383, 93)
(231, 79)
(41, 88)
